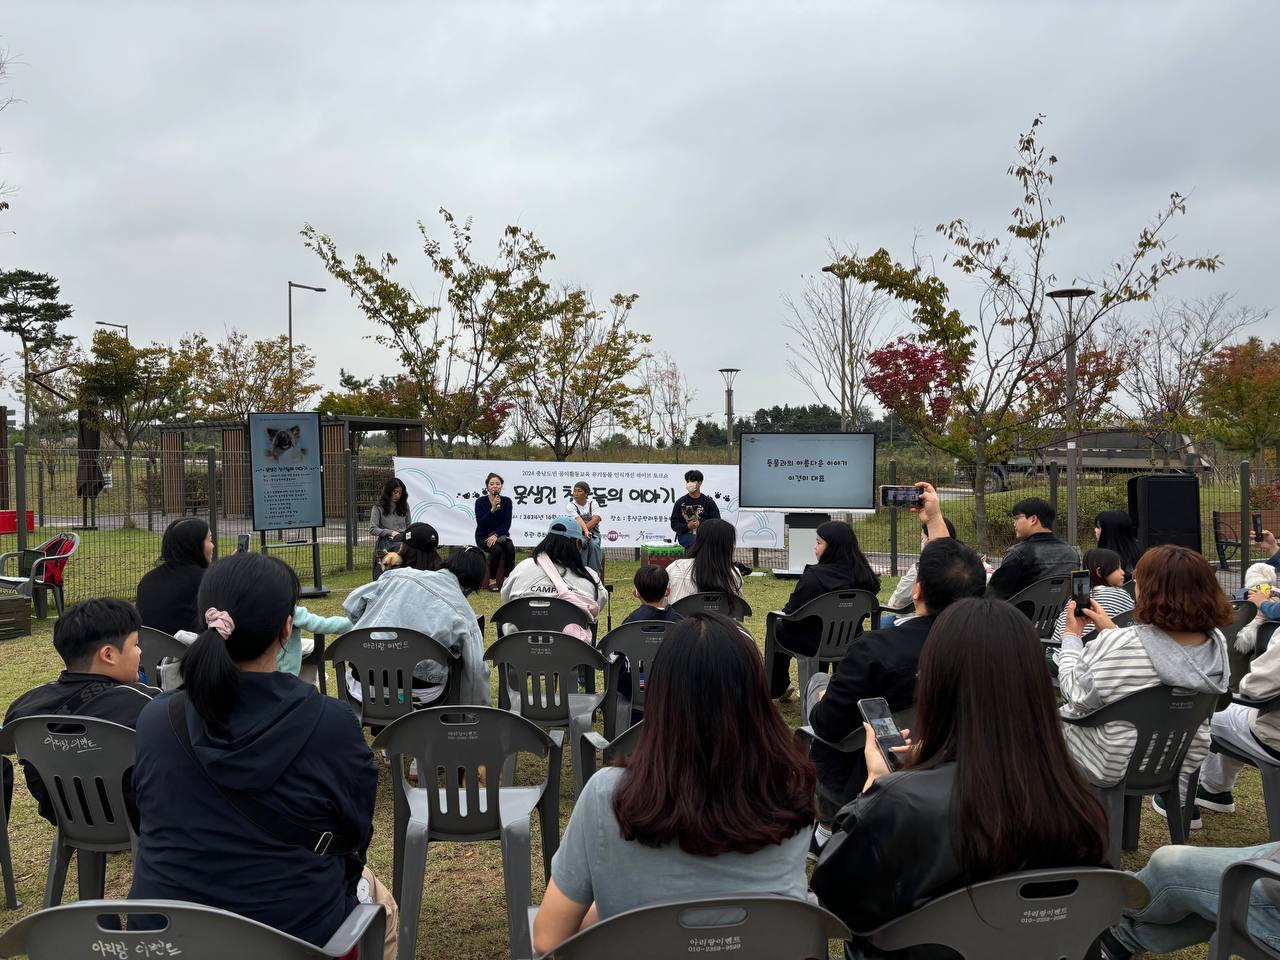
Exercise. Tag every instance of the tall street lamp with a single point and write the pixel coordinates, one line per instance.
(728, 373)
(118, 326)
(846, 401)
(300, 286)
(1071, 295)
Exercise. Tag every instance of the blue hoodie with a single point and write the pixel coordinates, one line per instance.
(301, 754)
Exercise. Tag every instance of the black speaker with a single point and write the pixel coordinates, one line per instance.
(1165, 508)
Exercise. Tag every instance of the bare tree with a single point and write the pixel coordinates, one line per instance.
(664, 400)
(816, 359)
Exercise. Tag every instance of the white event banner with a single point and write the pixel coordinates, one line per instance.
(634, 500)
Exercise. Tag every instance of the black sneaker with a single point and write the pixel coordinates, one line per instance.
(1158, 806)
(1223, 802)
(1112, 949)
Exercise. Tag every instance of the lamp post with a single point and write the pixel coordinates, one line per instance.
(728, 373)
(118, 326)
(300, 286)
(1071, 295)
(845, 385)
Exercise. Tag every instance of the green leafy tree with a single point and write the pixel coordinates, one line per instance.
(477, 341)
(980, 405)
(238, 375)
(125, 390)
(1239, 396)
(385, 396)
(30, 311)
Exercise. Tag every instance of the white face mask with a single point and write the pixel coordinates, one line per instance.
(691, 487)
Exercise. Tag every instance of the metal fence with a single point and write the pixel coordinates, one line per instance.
(121, 527)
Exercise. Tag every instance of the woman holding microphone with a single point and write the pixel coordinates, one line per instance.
(493, 529)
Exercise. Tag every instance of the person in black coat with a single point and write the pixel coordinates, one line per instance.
(493, 530)
(167, 593)
(841, 566)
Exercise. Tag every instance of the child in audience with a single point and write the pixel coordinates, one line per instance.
(690, 814)
(651, 586)
(1259, 579)
(1106, 589)
(98, 642)
(299, 648)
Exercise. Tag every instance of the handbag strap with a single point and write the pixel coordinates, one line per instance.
(321, 842)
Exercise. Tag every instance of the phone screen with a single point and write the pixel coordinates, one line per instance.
(1080, 590)
(877, 713)
(242, 543)
(891, 496)
(1257, 528)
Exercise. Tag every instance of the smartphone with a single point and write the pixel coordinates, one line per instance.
(242, 543)
(1080, 591)
(877, 713)
(899, 496)
(1257, 528)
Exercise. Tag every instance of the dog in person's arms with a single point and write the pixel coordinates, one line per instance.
(283, 445)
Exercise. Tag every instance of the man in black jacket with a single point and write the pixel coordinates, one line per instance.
(98, 642)
(690, 510)
(883, 663)
(1036, 555)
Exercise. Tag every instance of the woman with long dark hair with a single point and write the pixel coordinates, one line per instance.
(1115, 531)
(388, 520)
(167, 593)
(239, 730)
(841, 566)
(1106, 589)
(707, 566)
(988, 788)
(691, 814)
(555, 569)
(493, 530)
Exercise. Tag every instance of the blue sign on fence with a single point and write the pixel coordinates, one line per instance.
(284, 463)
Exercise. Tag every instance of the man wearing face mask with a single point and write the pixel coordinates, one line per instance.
(691, 509)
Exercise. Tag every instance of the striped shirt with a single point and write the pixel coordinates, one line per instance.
(1113, 601)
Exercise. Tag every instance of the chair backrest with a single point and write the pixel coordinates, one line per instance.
(844, 615)
(1123, 619)
(745, 928)
(625, 743)
(1166, 720)
(538, 613)
(82, 762)
(541, 668)
(453, 745)
(59, 549)
(156, 646)
(1031, 915)
(1232, 938)
(1042, 601)
(190, 930)
(725, 604)
(639, 643)
(1245, 612)
(383, 659)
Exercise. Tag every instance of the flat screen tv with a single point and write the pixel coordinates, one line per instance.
(815, 472)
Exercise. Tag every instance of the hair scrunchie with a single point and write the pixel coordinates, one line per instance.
(220, 620)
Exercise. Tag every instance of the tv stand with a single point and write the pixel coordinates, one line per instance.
(802, 534)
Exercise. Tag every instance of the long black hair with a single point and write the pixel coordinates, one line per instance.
(183, 543)
(564, 552)
(1116, 532)
(712, 554)
(401, 506)
(842, 551)
(259, 592)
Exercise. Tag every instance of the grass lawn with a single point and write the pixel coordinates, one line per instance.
(463, 914)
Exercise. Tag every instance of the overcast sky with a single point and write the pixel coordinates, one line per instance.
(165, 155)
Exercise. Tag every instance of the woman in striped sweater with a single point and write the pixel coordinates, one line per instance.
(1106, 580)
(1176, 641)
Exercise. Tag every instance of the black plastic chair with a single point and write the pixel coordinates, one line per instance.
(595, 749)
(191, 931)
(905, 719)
(1042, 601)
(726, 604)
(158, 646)
(452, 745)
(1166, 721)
(842, 615)
(630, 646)
(6, 856)
(316, 660)
(1031, 915)
(538, 613)
(1268, 770)
(1239, 662)
(82, 762)
(1232, 938)
(383, 659)
(744, 928)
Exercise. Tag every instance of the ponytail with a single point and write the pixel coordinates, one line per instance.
(259, 593)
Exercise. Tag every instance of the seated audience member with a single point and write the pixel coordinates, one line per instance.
(1106, 579)
(225, 767)
(299, 648)
(1260, 579)
(651, 586)
(688, 513)
(1268, 604)
(555, 569)
(423, 596)
(1175, 641)
(988, 788)
(98, 642)
(690, 814)
(901, 596)
(1036, 555)
(167, 592)
(841, 566)
(1114, 530)
(882, 663)
(707, 566)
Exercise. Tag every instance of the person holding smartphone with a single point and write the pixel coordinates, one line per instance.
(493, 530)
(987, 786)
(1106, 590)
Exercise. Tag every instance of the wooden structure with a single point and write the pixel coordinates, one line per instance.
(337, 436)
